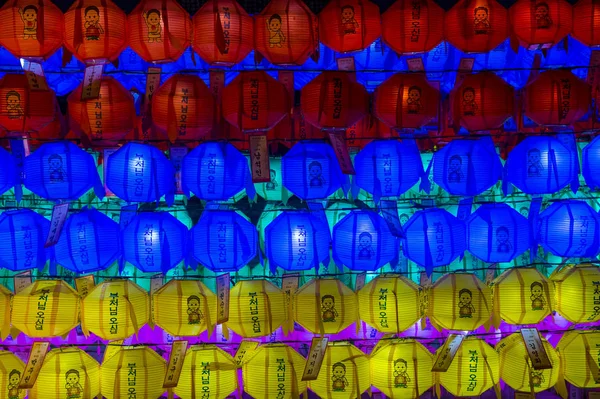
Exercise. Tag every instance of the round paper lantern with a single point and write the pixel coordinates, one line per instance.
(402, 369)
(69, 372)
(10, 176)
(483, 101)
(363, 241)
(349, 25)
(476, 26)
(590, 163)
(578, 349)
(523, 296)
(31, 28)
(11, 370)
(333, 100)
(133, 370)
(184, 308)
(95, 30)
(286, 32)
(577, 298)
(541, 23)
(159, 30)
(90, 241)
(23, 235)
(115, 309)
(497, 233)
(586, 22)
(257, 308)
(297, 240)
(5, 311)
(47, 308)
(274, 371)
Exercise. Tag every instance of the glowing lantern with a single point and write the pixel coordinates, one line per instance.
(578, 351)
(5, 310)
(23, 235)
(47, 308)
(9, 178)
(590, 163)
(541, 23)
(148, 367)
(576, 288)
(586, 22)
(115, 309)
(10, 375)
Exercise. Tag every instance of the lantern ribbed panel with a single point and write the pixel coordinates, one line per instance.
(576, 298)
(578, 357)
(9, 177)
(23, 235)
(11, 370)
(590, 163)
(586, 22)
(537, 23)
(5, 310)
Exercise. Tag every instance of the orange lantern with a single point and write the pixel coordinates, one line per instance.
(223, 32)
(412, 26)
(159, 30)
(541, 23)
(31, 28)
(349, 25)
(586, 22)
(286, 32)
(95, 30)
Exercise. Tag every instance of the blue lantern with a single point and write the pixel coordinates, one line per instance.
(362, 241)
(310, 170)
(216, 171)
(223, 241)
(570, 229)
(140, 173)
(154, 242)
(61, 171)
(497, 233)
(10, 175)
(90, 241)
(297, 240)
(23, 234)
(591, 163)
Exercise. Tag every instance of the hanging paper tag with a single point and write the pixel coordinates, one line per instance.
(59, 216)
(91, 82)
(21, 280)
(315, 358)
(287, 79)
(152, 83)
(464, 68)
(35, 75)
(84, 284)
(341, 152)
(465, 206)
(245, 347)
(290, 283)
(19, 149)
(347, 64)
(216, 79)
(446, 354)
(106, 154)
(415, 64)
(156, 282)
(576, 393)
(389, 211)
(223, 282)
(175, 364)
(361, 278)
(111, 349)
(535, 349)
(259, 158)
(490, 274)
(318, 210)
(535, 67)
(34, 364)
(425, 280)
(127, 213)
(176, 154)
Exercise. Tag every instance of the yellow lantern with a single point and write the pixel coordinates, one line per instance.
(402, 369)
(459, 301)
(273, 371)
(46, 308)
(208, 372)
(390, 304)
(578, 293)
(184, 308)
(344, 373)
(522, 296)
(325, 306)
(115, 309)
(68, 372)
(257, 308)
(133, 372)
(580, 358)
(11, 369)
(5, 303)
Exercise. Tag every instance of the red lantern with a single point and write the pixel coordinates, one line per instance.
(557, 98)
(586, 22)
(286, 32)
(482, 102)
(349, 25)
(541, 23)
(413, 26)
(302, 130)
(31, 28)
(52, 131)
(95, 30)
(223, 32)
(333, 100)
(159, 30)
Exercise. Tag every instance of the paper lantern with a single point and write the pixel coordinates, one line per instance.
(207, 371)
(159, 30)
(11, 370)
(333, 100)
(590, 162)
(497, 233)
(586, 22)
(23, 235)
(523, 296)
(90, 241)
(47, 308)
(257, 308)
(482, 101)
(578, 351)
(184, 308)
(350, 25)
(31, 29)
(474, 370)
(541, 23)
(5, 311)
(274, 371)
(363, 241)
(402, 369)
(10, 175)
(184, 108)
(68, 372)
(133, 370)
(577, 293)
(286, 32)
(476, 26)
(95, 30)
(115, 309)
(345, 372)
